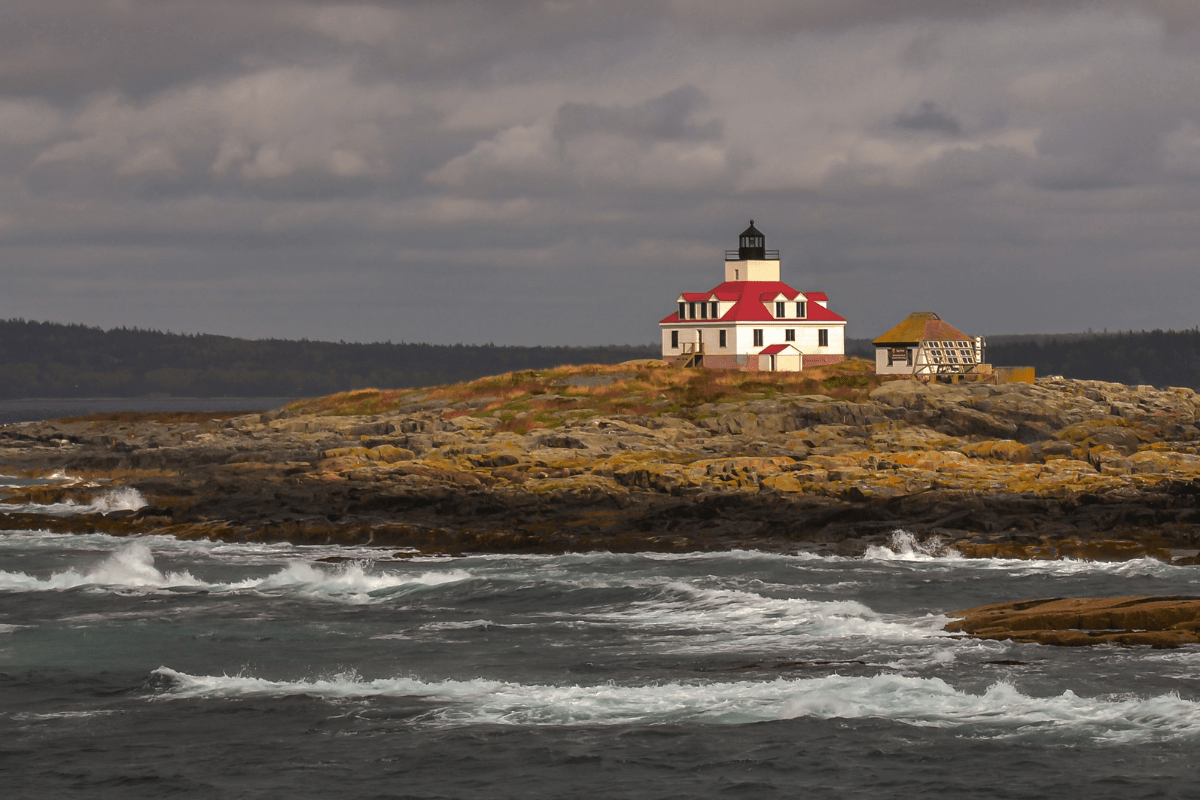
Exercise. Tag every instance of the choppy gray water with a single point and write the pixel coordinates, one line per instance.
(36, 409)
(152, 667)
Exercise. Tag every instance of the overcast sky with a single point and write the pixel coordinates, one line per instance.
(556, 172)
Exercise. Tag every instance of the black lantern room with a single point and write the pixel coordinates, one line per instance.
(751, 245)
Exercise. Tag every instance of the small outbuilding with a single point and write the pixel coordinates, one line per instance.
(780, 358)
(926, 345)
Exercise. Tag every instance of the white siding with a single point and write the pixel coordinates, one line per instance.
(806, 336)
(898, 368)
(751, 270)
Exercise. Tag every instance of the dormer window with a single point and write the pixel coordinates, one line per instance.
(780, 311)
(704, 311)
(713, 310)
(802, 309)
(691, 310)
(682, 310)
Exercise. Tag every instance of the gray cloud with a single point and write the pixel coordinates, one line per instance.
(929, 118)
(667, 117)
(522, 171)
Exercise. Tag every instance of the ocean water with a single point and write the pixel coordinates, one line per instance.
(37, 409)
(153, 667)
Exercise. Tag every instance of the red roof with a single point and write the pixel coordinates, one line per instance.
(749, 305)
(693, 296)
(774, 349)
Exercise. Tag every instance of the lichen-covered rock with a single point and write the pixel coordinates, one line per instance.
(1000, 450)
(1161, 622)
(1078, 469)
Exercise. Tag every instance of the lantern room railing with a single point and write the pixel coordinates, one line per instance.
(735, 255)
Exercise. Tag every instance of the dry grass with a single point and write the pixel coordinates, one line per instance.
(163, 417)
(547, 396)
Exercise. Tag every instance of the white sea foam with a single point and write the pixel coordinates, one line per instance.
(903, 546)
(132, 567)
(129, 567)
(1001, 711)
(710, 617)
(349, 582)
(123, 499)
(457, 625)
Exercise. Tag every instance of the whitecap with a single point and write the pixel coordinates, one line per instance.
(348, 582)
(723, 619)
(122, 499)
(1000, 712)
(903, 546)
(129, 567)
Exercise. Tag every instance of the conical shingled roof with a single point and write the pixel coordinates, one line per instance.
(921, 326)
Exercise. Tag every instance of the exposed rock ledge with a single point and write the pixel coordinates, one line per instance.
(1062, 468)
(1161, 622)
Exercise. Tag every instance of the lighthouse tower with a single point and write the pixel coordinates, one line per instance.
(753, 321)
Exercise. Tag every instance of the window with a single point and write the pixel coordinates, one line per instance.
(722, 338)
(737, 274)
(822, 337)
(683, 310)
(910, 356)
(691, 310)
(704, 311)
(779, 309)
(758, 337)
(674, 340)
(801, 309)
(789, 335)
(713, 309)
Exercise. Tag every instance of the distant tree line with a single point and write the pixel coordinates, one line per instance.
(1159, 358)
(46, 359)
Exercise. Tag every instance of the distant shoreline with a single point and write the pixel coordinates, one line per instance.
(38, 409)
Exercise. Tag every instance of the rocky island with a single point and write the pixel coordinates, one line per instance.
(646, 457)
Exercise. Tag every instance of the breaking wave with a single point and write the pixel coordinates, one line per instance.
(129, 567)
(132, 567)
(743, 616)
(1000, 712)
(123, 499)
(903, 546)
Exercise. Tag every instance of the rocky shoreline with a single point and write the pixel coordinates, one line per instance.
(1061, 468)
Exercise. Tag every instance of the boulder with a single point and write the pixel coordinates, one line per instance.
(1160, 622)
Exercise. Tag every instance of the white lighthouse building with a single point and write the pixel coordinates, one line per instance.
(753, 321)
